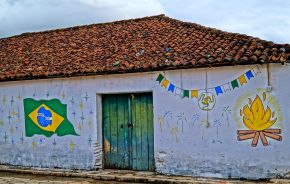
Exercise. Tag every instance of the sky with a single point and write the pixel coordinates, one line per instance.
(266, 19)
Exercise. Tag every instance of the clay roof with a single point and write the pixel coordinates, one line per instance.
(136, 45)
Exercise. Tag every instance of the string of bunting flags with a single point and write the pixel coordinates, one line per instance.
(218, 90)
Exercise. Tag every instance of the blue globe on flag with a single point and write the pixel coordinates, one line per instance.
(44, 117)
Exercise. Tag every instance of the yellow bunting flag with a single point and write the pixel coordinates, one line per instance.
(242, 80)
(194, 94)
(165, 83)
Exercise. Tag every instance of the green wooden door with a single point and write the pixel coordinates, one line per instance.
(128, 131)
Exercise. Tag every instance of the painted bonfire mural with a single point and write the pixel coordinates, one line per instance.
(259, 119)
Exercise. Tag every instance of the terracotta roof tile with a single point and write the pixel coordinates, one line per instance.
(136, 45)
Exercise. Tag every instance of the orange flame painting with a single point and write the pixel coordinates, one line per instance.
(258, 120)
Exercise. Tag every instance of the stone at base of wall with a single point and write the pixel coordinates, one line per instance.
(126, 176)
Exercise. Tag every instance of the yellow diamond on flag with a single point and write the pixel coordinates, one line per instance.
(45, 118)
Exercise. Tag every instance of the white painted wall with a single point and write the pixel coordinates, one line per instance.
(207, 145)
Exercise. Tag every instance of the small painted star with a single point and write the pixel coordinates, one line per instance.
(11, 130)
(4, 100)
(18, 114)
(47, 94)
(5, 137)
(72, 100)
(82, 118)
(72, 145)
(54, 142)
(13, 113)
(12, 100)
(63, 95)
(33, 144)
(90, 141)
(79, 127)
(86, 97)
(41, 140)
(9, 117)
(22, 139)
(81, 105)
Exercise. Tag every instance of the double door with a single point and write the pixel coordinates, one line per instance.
(128, 140)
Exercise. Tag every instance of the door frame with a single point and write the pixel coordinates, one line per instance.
(99, 118)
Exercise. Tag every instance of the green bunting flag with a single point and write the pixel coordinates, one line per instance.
(160, 78)
(186, 93)
(46, 117)
(235, 84)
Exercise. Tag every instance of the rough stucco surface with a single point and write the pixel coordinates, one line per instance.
(220, 155)
(205, 144)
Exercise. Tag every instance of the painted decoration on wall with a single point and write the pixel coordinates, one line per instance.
(207, 97)
(259, 117)
(226, 111)
(181, 123)
(206, 101)
(46, 117)
(14, 130)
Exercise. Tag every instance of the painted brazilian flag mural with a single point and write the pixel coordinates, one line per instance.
(46, 117)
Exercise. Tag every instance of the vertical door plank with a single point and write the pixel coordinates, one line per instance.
(137, 133)
(126, 133)
(106, 130)
(144, 129)
(120, 136)
(114, 132)
(133, 133)
(150, 134)
(123, 147)
(130, 132)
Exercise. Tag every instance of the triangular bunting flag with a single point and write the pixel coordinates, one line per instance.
(160, 78)
(242, 80)
(171, 87)
(226, 87)
(249, 74)
(165, 83)
(186, 93)
(194, 93)
(235, 84)
(218, 90)
(178, 91)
